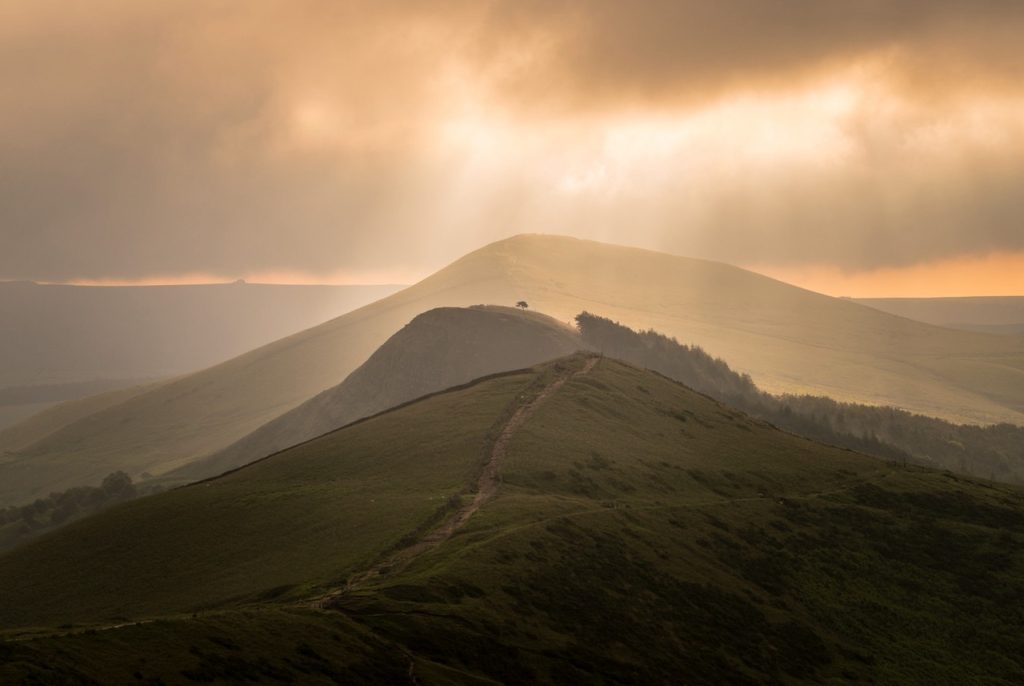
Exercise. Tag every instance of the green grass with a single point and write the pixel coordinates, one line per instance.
(266, 645)
(644, 531)
(275, 529)
(642, 534)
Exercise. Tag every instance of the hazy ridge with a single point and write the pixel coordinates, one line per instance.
(438, 349)
(789, 340)
(992, 314)
(62, 342)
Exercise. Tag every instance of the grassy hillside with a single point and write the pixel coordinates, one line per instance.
(18, 404)
(639, 533)
(74, 341)
(279, 526)
(10, 415)
(70, 334)
(43, 515)
(438, 349)
(42, 424)
(290, 646)
(998, 315)
(788, 339)
(995, 452)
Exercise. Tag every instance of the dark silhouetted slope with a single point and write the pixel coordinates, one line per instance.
(637, 532)
(303, 517)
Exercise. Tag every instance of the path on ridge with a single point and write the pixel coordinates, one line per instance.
(486, 487)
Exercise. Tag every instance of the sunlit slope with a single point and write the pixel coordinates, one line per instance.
(789, 339)
(989, 314)
(641, 533)
(438, 349)
(42, 424)
(193, 416)
(65, 333)
(65, 342)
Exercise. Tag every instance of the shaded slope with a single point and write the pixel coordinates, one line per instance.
(641, 533)
(544, 386)
(438, 349)
(789, 339)
(300, 518)
(279, 646)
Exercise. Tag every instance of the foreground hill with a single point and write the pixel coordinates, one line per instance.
(438, 349)
(788, 339)
(582, 522)
(998, 315)
(71, 341)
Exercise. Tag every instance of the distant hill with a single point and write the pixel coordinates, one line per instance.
(449, 346)
(438, 349)
(446, 347)
(996, 315)
(788, 339)
(581, 522)
(65, 342)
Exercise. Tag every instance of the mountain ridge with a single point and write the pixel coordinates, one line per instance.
(788, 339)
(418, 360)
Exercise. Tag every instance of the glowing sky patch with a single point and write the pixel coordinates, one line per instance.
(994, 274)
(313, 138)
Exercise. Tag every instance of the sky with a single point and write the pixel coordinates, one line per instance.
(863, 148)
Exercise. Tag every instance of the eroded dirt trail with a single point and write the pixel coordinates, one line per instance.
(486, 486)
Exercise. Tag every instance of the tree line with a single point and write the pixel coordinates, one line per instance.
(20, 523)
(992, 452)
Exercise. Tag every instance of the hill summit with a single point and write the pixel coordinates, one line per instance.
(437, 350)
(786, 338)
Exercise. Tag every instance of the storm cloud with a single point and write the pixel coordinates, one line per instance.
(327, 138)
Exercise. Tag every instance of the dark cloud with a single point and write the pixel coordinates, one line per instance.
(610, 52)
(231, 137)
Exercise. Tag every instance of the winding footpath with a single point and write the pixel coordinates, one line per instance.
(486, 488)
